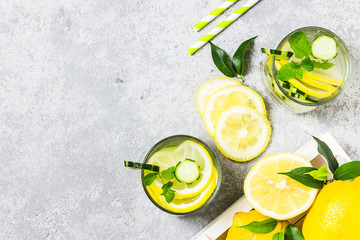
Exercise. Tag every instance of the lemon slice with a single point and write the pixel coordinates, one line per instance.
(315, 92)
(242, 133)
(209, 87)
(190, 204)
(318, 84)
(275, 195)
(166, 158)
(230, 96)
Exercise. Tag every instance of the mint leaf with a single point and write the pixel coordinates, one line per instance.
(238, 58)
(265, 226)
(326, 152)
(221, 61)
(322, 65)
(289, 71)
(293, 233)
(300, 44)
(320, 174)
(299, 73)
(148, 179)
(348, 171)
(307, 64)
(278, 236)
(168, 173)
(299, 174)
(167, 185)
(168, 193)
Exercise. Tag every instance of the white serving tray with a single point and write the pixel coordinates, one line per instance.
(217, 229)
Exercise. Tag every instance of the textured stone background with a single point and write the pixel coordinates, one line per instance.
(88, 84)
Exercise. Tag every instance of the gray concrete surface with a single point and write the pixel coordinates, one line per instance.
(85, 85)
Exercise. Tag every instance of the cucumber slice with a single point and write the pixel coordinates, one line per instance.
(278, 54)
(187, 171)
(136, 165)
(324, 48)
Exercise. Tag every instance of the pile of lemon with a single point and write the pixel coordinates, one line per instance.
(235, 116)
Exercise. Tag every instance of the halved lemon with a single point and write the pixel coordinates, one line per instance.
(190, 204)
(230, 96)
(209, 87)
(242, 133)
(275, 195)
(166, 158)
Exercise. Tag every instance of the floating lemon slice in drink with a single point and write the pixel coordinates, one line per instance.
(230, 96)
(209, 87)
(169, 157)
(275, 195)
(242, 133)
(190, 204)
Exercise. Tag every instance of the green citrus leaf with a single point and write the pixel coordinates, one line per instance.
(293, 233)
(238, 58)
(265, 226)
(299, 174)
(348, 171)
(148, 179)
(326, 152)
(320, 174)
(300, 44)
(278, 236)
(221, 61)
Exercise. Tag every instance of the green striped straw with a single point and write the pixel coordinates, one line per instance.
(203, 22)
(229, 20)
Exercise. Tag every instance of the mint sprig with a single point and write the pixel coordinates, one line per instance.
(302, 49)
(167, 192)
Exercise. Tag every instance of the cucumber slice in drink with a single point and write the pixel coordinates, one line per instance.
(278, 54)
(324, 48)
(136, 165)
(187, 171)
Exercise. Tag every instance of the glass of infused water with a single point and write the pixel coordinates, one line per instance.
(188, 177)
(310, 67)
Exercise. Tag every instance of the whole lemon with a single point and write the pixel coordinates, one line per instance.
(242, 218)
(335, 213)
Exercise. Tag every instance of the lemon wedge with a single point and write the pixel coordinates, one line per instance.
(169, 157)
(275, 195)
(242, 133)
(195, 202)
(209, 87)
(230, 96)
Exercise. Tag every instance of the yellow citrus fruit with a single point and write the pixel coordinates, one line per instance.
(276, 195)
(335, 213)
(242, 133)
(209, 87)
(227, 97)
(242, 218)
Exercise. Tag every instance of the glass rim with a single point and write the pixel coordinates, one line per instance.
(214, 160)
(346, 79)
